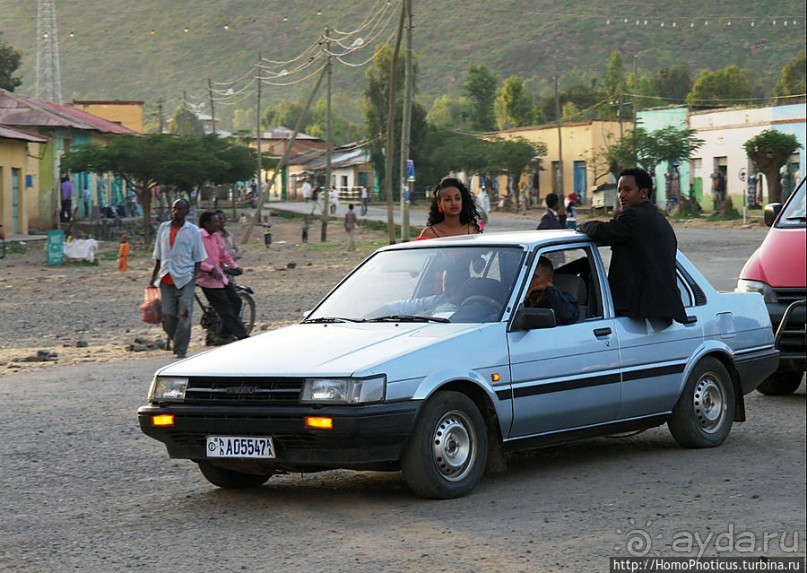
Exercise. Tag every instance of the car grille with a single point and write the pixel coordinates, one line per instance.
(206, 389)
(789, 295)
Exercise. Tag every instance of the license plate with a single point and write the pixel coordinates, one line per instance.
(240, 447)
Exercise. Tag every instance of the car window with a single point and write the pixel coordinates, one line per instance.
(456, 284)
(794, 213)
(575, 275)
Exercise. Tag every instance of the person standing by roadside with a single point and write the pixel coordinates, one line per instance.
(218, 288)
(307, 190)
(642, 274)
(86, 198)
(452, 212)
(551, 219)
(482, 207)
(178, 255)
(66, 191)
(350, 227)
(123, 254)
(365, 200)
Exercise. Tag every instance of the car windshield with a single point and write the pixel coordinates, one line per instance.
(794, 213)
(439, 284)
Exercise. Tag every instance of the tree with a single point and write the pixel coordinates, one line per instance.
(376, 110)
(770, 151)
(728, 86)
(151, 160)
(585, 97)
(614, 81)
(672, 84)
(792, 82)
(450, 112)
(186, 123)
(480, 87)
(9, 62)
(516, 104)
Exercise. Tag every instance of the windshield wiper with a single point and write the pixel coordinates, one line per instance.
(329, 319)
(796, 218)
(407, 318)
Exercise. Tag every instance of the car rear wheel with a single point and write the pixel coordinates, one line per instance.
(781, 383)
(704, 414)
(231, 479)
(447, 452)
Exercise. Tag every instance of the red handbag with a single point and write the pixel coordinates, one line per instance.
(151, 310)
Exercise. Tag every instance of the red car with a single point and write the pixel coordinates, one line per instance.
(778, 271)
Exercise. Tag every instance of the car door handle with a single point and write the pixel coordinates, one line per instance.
(602, 331)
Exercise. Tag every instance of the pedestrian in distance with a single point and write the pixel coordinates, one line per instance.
(364, 195)
(66, 194)
(306, 227)
(642, 274)
(452, 212)
(351, 222)
(123, 254)
(551, 219)
(178, 255)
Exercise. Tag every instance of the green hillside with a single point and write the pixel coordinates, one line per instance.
(151, 49)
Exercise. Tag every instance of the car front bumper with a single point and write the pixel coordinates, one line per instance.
(361, 437)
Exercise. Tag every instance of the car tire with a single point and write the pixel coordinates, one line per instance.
(781, 383)
(448, 448)
(704, 414)
(231, 479)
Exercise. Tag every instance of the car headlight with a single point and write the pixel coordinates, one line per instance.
(758, 287)
(344, 390)
(168, 389)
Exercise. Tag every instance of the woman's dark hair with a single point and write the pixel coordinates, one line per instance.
(205, 217)
(468, 215)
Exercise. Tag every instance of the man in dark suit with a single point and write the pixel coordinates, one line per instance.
(552, 219)
(642, 274)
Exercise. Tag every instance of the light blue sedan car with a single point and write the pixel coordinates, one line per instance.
(425, 359)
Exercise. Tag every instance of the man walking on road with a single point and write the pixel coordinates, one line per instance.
(350, 226)
(178, 255)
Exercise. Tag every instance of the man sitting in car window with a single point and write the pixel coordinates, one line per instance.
(542, 293)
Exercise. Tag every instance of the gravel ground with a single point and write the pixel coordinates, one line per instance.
(81, 312)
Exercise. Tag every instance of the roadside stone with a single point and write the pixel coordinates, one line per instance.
(137, 348)
(82, 344)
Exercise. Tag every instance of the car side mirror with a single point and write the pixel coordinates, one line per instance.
(534, 318)
(771, 212)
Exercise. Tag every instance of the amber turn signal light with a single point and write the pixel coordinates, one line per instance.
(319, 423)
(162, 420)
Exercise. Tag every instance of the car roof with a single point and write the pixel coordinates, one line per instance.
(522, 239)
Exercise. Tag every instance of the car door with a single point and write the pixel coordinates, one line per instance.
(654, 354)
(567, 376)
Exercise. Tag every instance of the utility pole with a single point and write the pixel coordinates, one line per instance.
(326, 197)
(560, 140)
(406, 125)
(283, 160)
(212, 109)
(388, 160)
(258, 138)
(160, 115)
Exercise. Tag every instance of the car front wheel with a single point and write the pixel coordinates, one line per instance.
(447, 452)
(230, 479)
(703, 416)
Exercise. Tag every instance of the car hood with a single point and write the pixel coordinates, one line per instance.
(780, 261)
(321, 350)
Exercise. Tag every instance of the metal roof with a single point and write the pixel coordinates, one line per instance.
(23, 111)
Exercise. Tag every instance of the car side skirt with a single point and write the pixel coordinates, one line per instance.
(574, 434)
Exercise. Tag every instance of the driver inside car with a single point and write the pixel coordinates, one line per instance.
(542, 293)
